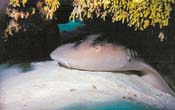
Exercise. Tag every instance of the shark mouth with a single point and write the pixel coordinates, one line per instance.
(63, 63)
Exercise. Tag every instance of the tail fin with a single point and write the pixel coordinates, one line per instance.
(150, 75)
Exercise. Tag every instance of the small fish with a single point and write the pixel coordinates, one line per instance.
(70, 26)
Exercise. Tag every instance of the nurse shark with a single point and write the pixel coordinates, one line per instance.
(106, 57)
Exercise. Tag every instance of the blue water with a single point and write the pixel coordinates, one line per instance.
(70, 26)
(110, 106)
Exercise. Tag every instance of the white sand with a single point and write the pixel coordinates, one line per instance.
(50, 87)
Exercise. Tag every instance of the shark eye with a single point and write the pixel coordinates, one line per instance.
(97, 48)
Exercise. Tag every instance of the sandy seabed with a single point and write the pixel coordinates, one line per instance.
(47, 86)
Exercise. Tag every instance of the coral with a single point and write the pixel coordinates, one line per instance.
(15, 14)
(49, 6)
(17, 10)
(138, 13)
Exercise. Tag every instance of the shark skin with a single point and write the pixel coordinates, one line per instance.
(106, 57)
